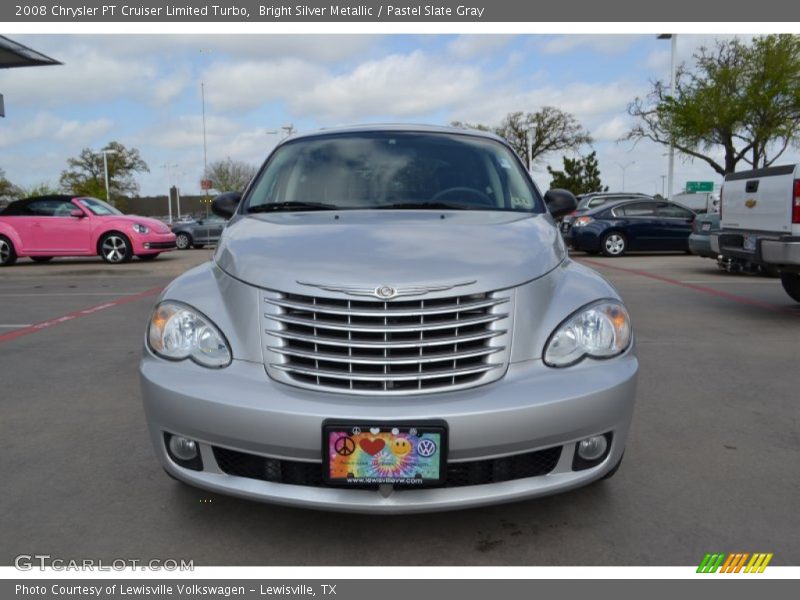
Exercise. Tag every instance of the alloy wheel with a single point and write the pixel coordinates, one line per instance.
(5, 251)
(182, 241)
(614, 244)
(114, 249)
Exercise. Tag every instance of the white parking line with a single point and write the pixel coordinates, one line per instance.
(29, 295)
(14, 326)
(730, 281)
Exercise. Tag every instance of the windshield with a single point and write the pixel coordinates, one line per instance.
(98, 207)
(400, 170)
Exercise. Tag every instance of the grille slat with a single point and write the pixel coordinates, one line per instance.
(386, 375)
(387, 347)
(389, 360)
(385, 327)
(399, 312)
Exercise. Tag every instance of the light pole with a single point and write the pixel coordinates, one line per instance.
(205, 147)
(673, 37)
(169, 166)
(106, 152)
(623, 167)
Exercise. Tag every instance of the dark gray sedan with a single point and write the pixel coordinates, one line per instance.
(196, 234)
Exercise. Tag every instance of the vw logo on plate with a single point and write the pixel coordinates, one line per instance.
(426, 448)
(385, 292)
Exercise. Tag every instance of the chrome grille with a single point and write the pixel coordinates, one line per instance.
(387, 347)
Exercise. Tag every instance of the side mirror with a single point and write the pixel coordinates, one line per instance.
(560, 202)
(77, 212)
(225, 205)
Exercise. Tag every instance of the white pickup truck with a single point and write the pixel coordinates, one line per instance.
(760, 222)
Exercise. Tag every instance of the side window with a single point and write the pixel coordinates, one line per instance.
(637, 209)
(673, 211)
(50, 208)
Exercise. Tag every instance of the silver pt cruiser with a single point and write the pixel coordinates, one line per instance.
(390, 324)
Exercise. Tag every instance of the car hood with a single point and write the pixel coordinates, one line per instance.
(153, 224)
(492, 250)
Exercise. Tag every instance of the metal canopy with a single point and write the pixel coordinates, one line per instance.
(14, 54)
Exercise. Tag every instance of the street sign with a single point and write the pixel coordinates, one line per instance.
(694, 187)
(206, 184)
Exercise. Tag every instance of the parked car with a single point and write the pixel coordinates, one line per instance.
(631, 226)
(390, 323)
(761, 221)
(199, 233)
(47, 226)
(700, 238)
(593, 200)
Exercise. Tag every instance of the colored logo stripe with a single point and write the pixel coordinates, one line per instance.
(734, 562)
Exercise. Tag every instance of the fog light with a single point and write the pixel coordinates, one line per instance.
(182, 448)
(592, 448)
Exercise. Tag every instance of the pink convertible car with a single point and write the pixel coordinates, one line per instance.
(49, 226)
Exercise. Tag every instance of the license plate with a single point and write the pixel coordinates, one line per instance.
(370, 454)
(705, 227)
(749, 242)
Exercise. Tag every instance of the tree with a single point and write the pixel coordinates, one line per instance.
(85, 174)
(43, 188)
(230, 175)
(580, 175)
(8, 191)
(551, 130)
(743, 100)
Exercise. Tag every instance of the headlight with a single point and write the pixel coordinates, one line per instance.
(178, 332)
(139, 228)
(599, 330)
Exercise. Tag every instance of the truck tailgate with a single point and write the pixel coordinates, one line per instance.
(759, 200)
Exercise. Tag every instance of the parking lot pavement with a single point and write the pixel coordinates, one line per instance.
(711, 463)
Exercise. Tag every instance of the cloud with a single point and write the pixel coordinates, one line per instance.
(466, 47)
(249, 84)
(87, 76)
(399, 85)
(49, 127)
(611, 130)
(603, 43)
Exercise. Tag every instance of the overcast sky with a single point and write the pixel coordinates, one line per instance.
(144, 91)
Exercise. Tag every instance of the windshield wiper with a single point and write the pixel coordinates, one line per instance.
(422, 206)
(290, 206)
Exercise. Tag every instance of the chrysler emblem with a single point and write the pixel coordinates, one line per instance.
(750, 203)
(385, 292)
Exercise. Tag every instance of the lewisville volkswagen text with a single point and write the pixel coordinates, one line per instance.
(390, 323)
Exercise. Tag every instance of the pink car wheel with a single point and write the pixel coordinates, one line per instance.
(115, 248)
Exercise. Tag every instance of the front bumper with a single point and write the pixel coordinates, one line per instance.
(533, 407)
(153, 243)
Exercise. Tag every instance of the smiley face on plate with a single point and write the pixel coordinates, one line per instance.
(400, 446)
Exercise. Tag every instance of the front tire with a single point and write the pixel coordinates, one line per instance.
(613, 244)
(8, 255)
(183, 241)
(115, 248)
(791, 283)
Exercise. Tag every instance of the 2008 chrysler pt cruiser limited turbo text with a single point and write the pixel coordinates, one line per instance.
(390, 323)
